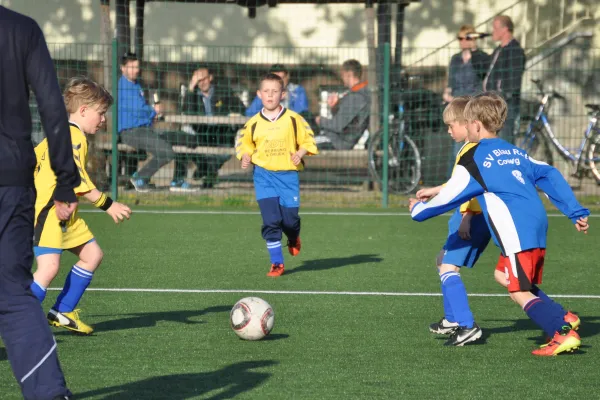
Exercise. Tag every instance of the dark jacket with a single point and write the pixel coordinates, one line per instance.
(350, 119)
(506, 74)
(223, 102)
(25, 61)
(466, 79)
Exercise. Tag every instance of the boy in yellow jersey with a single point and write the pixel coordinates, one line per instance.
(468, 236)
(274, 141)
(86, 103)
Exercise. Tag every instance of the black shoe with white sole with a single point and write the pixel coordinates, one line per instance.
(443, 327)
(463, 335)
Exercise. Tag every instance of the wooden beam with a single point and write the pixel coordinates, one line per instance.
(123, 26)
(106, 37)
(139, 28)
(372, 72)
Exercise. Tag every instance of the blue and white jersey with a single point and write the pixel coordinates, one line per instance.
(504, 178)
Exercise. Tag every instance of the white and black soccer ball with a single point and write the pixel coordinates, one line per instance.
(252, 318)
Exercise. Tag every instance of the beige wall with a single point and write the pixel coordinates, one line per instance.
(314, 28)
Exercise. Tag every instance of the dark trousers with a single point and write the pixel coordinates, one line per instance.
(513, 120)
(148, 140)
(30, 345)
(278, 219)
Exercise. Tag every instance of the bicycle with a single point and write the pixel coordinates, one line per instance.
(539, 128)
(404, 159)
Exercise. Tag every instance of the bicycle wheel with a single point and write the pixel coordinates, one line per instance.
(593, 156)
(404, 163)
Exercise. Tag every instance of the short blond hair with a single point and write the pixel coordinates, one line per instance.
(489, 108)
(83, 91)
(466, 29)
(455, 110)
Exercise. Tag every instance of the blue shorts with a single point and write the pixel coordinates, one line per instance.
(465, 253)
(40, 251)
(284, 185)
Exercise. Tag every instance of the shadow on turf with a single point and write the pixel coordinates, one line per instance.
(336, 262)
(3, 355)
(231, 381)
(148, 320)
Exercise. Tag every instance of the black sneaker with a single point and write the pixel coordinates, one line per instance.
(443, 327)
(463, 335)
(62, 397)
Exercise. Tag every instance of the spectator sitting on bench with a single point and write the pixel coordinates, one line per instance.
(203, 97)
(350, 111)
(295, 96)
(136, 117)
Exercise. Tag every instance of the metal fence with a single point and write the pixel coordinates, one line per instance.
(406, 114)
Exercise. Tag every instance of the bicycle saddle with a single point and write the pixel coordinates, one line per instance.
(593, 107)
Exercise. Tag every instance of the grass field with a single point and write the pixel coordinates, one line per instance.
(177, 344)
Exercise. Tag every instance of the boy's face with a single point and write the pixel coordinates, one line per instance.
(270, 93)
(473, 131)
(131, 70)
(90, 119)
(458, 131)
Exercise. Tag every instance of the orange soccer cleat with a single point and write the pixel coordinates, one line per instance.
(566, 340)
(573, 320)
(276, 270)
(294, 246)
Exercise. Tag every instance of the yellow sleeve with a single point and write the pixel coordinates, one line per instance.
(80, 156)
(471, 205)
(306, 138)
(244, 143)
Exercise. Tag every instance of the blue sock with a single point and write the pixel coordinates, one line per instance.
(77, 281)
(457, 298)
(536, 291)
(545, 316)
(448, 314)
(38, 291)
(275, 252)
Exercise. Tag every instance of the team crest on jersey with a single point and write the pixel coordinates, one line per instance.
(517, 174)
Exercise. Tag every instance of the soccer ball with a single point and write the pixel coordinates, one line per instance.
(252, 318)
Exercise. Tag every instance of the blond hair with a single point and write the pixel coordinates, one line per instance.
(489, 108)
(466, 29)
(455, 111)
(83, 91)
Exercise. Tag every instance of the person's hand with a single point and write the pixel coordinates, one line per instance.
(297, 156)
(582, 225)
(157, 109)
(427, 193)
(333, 99)
(64, 210)
(412, 203)
(246, 160)
(194, 80)
(318, 120)
(118, 212)
(447, 96)
(464, 229)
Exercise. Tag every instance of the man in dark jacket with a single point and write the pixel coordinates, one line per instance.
(25, 62)
(350, 112)
(204, 97)
(506, 73)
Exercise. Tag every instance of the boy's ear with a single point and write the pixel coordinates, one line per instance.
(258, 94)
(83, 110)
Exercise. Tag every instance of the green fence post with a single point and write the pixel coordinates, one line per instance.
(115, 118)
(386, 122)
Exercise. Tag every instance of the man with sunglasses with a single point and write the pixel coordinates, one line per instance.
(466, 72)
(467, 68)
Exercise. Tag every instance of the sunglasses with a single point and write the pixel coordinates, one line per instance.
(464, 38)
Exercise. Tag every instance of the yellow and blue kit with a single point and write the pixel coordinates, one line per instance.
(460, 252)
(49, 235)
(271, 143)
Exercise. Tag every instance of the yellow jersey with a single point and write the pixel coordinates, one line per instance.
(471, 205)
(44, 177)
(271, 143)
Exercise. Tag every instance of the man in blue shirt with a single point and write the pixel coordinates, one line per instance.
(504, 179)
(295, 95)
(136, 117)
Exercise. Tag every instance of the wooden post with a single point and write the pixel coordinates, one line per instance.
(372, 74)
(105, 34)
(139, 28)
(122, 26)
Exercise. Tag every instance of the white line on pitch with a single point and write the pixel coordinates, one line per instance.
(311, 292)
(322, 213)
